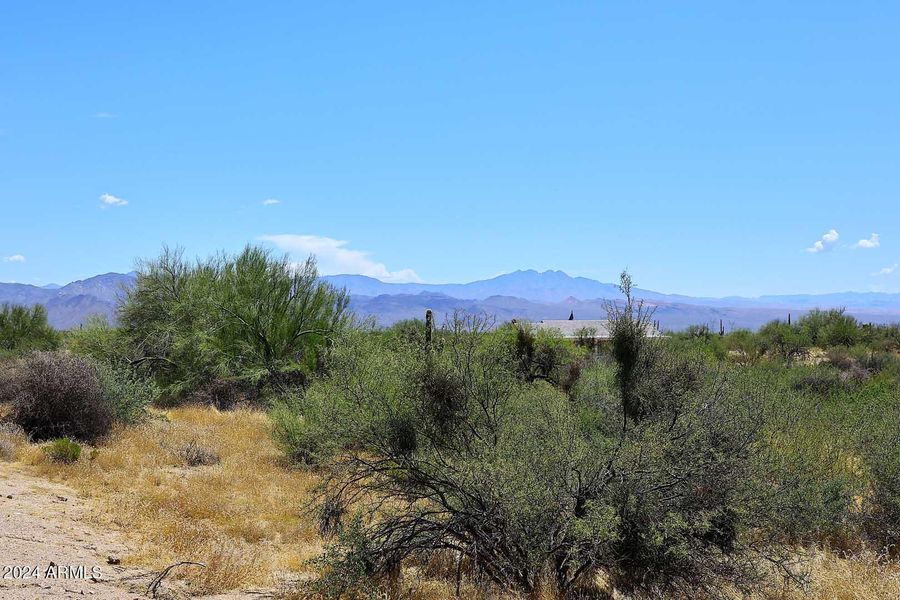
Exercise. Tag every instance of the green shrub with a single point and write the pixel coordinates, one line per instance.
(878, 440)
(63, 450)
(744, 345)
(128, 393)
(540, 354)
(296, 434)
(822, 381)
(347, 567)
(528, 483)
(787, 341)
(23, 329)
(100, 341)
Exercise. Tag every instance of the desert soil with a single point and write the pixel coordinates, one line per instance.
(42, 524)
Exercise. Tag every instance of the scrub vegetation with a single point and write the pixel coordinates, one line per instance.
(239, 416)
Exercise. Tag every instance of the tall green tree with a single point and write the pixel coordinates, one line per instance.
(253, 317)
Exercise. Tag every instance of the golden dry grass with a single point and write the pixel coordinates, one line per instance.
(243, 517)
(860, 577)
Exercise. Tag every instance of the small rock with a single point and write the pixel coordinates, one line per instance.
(9, 496)
(113, 560)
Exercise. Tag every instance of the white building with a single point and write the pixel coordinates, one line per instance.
(593, 329)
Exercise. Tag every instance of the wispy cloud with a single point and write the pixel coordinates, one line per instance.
(110, 200)
(104, 115)
(271, 202)
(873, 241)
(335, 258)
(15, 258)
(886, 271)
(826, 242)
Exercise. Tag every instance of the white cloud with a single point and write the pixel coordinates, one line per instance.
(271, 202)
(335, 258)
(110, 200)
(15, 258)
(887, 270)
(873, 241)
(828, 240)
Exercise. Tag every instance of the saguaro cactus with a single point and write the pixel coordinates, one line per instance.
(429, 327)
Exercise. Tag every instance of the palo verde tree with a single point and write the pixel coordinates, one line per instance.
(25, 328)
(254, 319)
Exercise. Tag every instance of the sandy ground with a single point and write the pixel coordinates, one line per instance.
(46, 530)
(44, 523)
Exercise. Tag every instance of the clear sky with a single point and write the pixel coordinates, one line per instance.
(706, 146)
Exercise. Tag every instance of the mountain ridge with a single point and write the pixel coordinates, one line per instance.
(527, 294)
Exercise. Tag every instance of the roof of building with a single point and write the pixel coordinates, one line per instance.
(593, 328)
(597, 328)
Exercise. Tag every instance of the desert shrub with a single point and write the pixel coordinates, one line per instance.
(63, 450)
(872, 359)
(784, 340)
(813, 477)
(411, 331)
(54, 394)
(858, 364)
(831, 327)
(128, 393)
(878, 440)
(100, 341)
(540, 354)
(527, 484)
(226, 394)
(295, 432)
(744, 346)
(313, 426)
(842, 330)
(195, 454)
(840, 358)
(822, 381)
(23, 329)
(884, 337)
(250, 318)
(346, 568)
(7, 450)
(633, 352)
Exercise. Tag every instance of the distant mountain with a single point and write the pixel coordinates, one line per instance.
(549, 286)
(390, 308)
(556, 286)
(71, 305)
(523, 294)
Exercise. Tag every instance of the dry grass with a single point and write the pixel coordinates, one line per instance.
(860, 577)
(12, 441)
(243, 516)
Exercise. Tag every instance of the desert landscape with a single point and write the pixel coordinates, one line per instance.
(450, 300)
(241, 432)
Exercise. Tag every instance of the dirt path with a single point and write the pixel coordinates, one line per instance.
(46, 531)
(42, 524)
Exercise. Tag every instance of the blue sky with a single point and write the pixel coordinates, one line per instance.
(706, 146)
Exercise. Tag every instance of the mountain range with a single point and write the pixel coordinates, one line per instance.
(527, 294)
